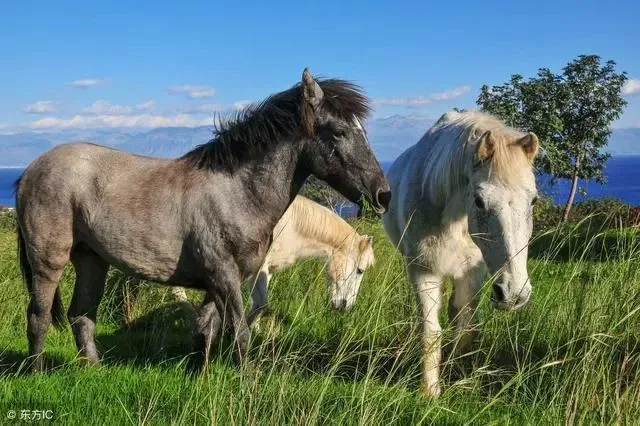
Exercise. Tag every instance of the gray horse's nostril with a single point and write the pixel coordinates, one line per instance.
(383, 198)
(498, 293)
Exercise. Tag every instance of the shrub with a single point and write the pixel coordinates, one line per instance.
(604, 213)
(546, 214)
(594, 214)
(7, 218)
(321, 193)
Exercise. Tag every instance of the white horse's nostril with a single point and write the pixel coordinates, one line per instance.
(499, 294)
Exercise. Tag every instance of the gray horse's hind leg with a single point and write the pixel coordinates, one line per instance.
(91, 271)
(45, 284)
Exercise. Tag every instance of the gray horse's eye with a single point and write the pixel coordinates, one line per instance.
(478, 201)
(339, 134)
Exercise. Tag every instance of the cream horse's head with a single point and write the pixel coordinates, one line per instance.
(501, 195)
(346, 268)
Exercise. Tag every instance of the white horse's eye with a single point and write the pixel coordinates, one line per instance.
(359, 271)
(479, 203)
(535, 200)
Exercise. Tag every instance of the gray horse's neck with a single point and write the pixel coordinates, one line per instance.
(275, 179)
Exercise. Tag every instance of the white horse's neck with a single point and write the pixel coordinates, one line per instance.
(290, 244)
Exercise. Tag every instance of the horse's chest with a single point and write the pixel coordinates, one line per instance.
(251, 256)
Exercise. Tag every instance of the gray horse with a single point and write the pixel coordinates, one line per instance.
(203, 221)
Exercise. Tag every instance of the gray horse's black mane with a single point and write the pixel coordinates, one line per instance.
(279, 118)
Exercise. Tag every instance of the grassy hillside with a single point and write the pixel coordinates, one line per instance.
(572, 355)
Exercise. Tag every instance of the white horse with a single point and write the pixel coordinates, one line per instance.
(462, 200)
(309, 230)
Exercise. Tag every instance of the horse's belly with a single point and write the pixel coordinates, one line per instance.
(145, 256)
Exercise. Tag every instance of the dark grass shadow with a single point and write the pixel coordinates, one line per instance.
(159, 337)
(16, 363)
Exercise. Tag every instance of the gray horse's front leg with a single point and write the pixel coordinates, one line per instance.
(221, 303)
(234, 313)
(259, 297)
(208, 324)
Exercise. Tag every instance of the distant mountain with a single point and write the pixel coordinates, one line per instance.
(388, 136)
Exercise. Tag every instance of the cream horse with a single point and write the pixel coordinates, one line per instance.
(309, 230)
(462, 201)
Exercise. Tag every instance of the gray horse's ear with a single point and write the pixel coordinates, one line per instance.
(311, 91)
(485, 147)
(530, 145)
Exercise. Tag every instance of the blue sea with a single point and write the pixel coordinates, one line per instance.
(623, 182)
(8, 177)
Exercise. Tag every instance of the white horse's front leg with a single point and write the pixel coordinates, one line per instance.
(259, 296)
(463, 305)
(428, 293)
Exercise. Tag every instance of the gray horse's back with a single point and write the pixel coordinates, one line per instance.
(68, 169)
(83, 193)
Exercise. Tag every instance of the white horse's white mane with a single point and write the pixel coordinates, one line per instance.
(449, 150)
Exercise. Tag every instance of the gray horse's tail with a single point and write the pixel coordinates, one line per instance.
(57, 310)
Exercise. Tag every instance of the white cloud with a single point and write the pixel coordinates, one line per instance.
(87, 82)
(425, 100)
(212, 108)
(241, 104)
(146, 106)
(206, 108)
(193, 92)
(107, 108)
(41, 107)
(115, 121)
(631, 87)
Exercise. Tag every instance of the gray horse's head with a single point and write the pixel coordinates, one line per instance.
(502, 192)
(337, 150)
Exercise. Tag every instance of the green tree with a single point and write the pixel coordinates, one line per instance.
(321, 193)
(570, 112)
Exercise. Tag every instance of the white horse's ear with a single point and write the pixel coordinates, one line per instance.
(311, 91)
(366, 242)
(530, 145)
(485, 147)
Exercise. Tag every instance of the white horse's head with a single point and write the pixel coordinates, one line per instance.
(501, 194)
(346, 269)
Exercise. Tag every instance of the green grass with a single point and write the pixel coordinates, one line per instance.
(571, 356)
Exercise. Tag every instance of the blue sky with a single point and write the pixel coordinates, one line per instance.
(113, 64)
